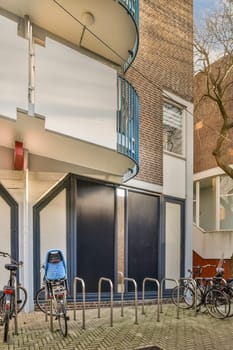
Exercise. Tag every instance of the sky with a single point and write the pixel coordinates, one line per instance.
(203, 6)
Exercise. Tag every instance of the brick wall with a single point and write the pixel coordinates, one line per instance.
(211, 271)
(164, 60)
(206, 133)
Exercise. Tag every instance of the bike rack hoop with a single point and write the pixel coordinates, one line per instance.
(193, 281)
(135, 296)
(111, 297)
(78, 279)
(161, 293)
(143, 293)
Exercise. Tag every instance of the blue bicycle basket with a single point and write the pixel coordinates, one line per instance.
(55, 266)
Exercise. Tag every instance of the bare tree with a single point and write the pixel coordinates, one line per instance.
(214, 41)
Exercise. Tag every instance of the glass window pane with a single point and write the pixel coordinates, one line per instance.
(226, 203)
(208, 204)
(172, 128)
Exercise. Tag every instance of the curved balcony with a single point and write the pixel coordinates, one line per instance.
(132, 7)
(105, 29)
(128, 124)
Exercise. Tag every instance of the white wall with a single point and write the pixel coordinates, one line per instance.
(5, 230)
(53, 225)
(212, 245)
(174, 176)
(13, 69)
(172, 242)
(77, 94)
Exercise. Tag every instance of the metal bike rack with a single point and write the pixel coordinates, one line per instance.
(122, 292)
(192, 280)
(143, 294)
(78, 279)
(46, 305)
(16, 314)
(161, 293)
(135, 296)
(111, 297)
(51, 314)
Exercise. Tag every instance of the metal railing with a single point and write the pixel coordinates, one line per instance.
(128, 120)
(111, 297)
(122, 292)
(135, 296)
(132, 6)
(78, 279)
(148, 279)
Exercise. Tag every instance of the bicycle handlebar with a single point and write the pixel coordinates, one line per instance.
(5, 255)
(203, 266)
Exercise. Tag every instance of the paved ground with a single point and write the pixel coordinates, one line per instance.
(189, 332)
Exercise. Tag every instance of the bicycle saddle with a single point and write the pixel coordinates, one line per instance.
(11, 267)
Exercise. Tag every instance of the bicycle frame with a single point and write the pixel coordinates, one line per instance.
(56, 294)
(9, 298)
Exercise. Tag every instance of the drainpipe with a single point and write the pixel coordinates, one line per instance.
(31, 67)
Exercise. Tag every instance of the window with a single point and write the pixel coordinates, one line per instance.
(207, 214)
(226, 203)
(173, 120)
(214, 197)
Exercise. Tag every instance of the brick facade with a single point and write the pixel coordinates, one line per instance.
(208, 123)
(165, 61)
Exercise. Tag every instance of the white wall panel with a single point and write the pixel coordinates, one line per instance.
(174, 176)
(172, 242)
(76, 94)
(5, 219)
(53, 225)
(13, 69)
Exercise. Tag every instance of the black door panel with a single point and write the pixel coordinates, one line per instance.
(143, 231)
(95, 233)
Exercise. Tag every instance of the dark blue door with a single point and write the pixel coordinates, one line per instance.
(143, 233)
(95, 233)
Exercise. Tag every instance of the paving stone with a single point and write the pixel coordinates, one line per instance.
(188, 332)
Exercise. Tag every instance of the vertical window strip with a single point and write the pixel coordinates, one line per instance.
(173, 128)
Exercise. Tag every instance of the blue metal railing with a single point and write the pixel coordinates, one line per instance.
(128, 121)
(132, 7)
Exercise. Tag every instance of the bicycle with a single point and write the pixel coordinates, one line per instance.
(52, 297)
(209, 293)
(41, 298)
(14, 296)
(186, 289)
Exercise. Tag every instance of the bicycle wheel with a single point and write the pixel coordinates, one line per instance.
(200, 296)
(22, 297)
(7, 309)
(229, 291)
(6, 327)
(186, 296)
(62, 318)
(42, 302)
(217, 303)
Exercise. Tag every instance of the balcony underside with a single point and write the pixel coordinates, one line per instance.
(111, 36)
(56, 152)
